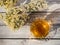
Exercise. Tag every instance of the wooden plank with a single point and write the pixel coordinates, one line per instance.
(34, 15)
(29, 42)
(54, 16)
(12, 42)
(49, 2)
(53, 0)
(24, 32)
(5, 32)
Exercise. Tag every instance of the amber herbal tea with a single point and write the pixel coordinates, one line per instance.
(40, 28)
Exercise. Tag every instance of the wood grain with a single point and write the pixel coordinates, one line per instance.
(24, 32)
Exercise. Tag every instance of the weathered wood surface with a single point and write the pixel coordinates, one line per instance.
(24, 32)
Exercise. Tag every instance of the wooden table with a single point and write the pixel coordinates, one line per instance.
(21, 37)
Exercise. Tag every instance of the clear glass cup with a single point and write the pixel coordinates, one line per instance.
(50, 17)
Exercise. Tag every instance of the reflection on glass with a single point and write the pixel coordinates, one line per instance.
(40, 28)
